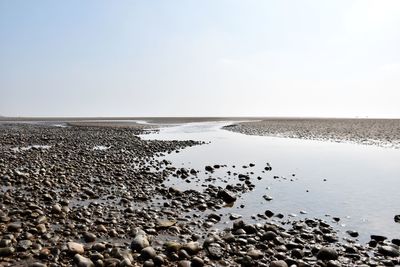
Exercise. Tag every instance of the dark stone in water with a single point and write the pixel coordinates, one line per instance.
(269, 213)
(227, 196)
(209, 168)
(397, 218)
(378, 238)
(352, 233)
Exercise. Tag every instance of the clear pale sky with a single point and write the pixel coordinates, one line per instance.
(200, 58)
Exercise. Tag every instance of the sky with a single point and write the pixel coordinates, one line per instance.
(131, 58)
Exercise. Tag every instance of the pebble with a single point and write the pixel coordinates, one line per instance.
(279, 263)
(82, 261)
(75, 248)
(327, 253)
(389, 251)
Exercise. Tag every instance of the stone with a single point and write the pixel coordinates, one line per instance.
(83, 261)
(333, 263)
(227, 196)
(378, 238)
(215, 251)
(148, 253)
(255, 254)
(75, 248)
(192, 247)
(5, 252)
(197, 262)
(89, 237)
(209, 168)
(389, 251)
(184, 263)
(57, 209)
(279, 263)
(13, 227)
(397, 218)
(140, 242)
(352, 233)
(327, 253)
(24, 245)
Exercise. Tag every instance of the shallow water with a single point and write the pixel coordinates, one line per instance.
(361, 182)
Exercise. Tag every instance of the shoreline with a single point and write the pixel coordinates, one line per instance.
(378, 132)
(71, 203)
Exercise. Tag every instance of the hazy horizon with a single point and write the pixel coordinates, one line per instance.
(200, 59)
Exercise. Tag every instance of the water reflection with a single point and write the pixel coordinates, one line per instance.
(357, 183)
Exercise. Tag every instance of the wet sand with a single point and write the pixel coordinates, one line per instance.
(94, 196)
(380, 132)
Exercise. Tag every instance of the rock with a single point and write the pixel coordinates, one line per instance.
(234, 216)
(148, 253)
(57, 209)
(269, 213)
(279, 263)
(209, 168)
(214, 216)
(89, 237)
(397, 218)
(5, 252)
(378, 238)
(227, 196)
(389, 251)
(13, 227)
(269, 235)
(327, 253)
(255, 254)
(172, 246)
(333, 263)
(148, 263)
(396, 241)
(215, 251)
(267, 198)
(352, 233)
(140, 242)
(184, 263)
(192, 247)
(75, 248)
(99, 247)
(24, 245)
(37, 264)
(297, 253)
(41, 228)
(83, 261)
(164, 224)
(197, 262)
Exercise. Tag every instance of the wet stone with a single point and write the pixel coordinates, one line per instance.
(148, 253)
(5, 252)
(215, 251)
(389, 251)
(75, 248)
(279, 263)
(24, 245)
(327, 253)
(82, 261)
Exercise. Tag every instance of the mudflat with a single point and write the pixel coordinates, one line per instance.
(380, 132)
(94, 196)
